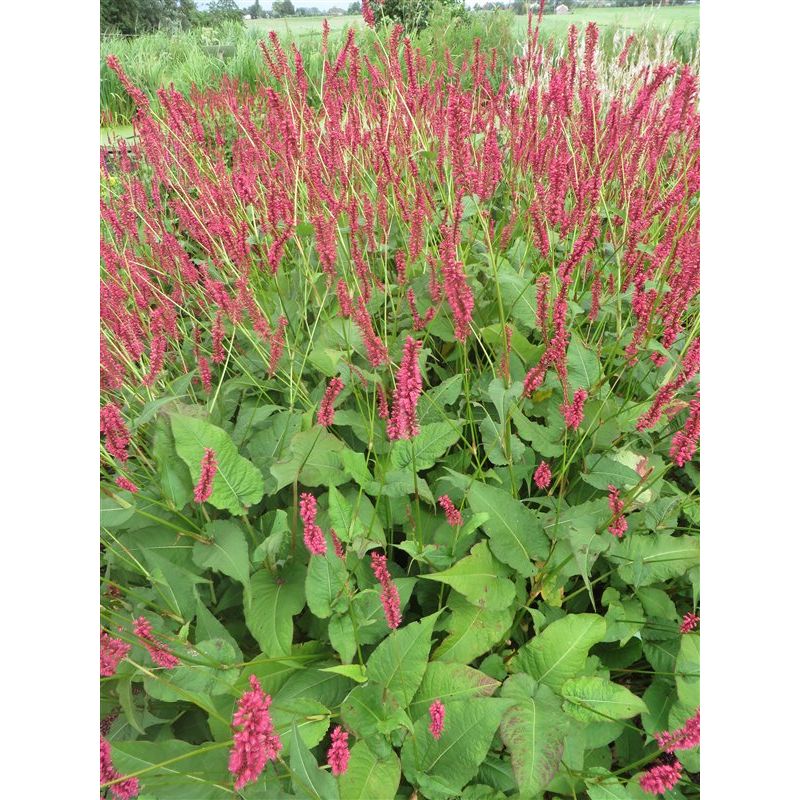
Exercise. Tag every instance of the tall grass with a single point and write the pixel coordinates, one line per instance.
(201, 57)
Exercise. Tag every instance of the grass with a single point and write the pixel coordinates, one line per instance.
(301, 26)
(201, 57)
(674, 19)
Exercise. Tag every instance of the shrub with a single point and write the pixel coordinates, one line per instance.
(399, 421)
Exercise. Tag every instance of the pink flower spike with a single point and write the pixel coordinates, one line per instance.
(124, 483)
(403, 422)
(684, 738)
(689, 622)
(158, 650)
(325, 413)
(313, 536)
(662, 776)
(454, 518)
(436, 712)
(113, 428)
(112, 651)
(255, 742)
(618, 524)
(390, 598)
(124, 789)
(573, 412)
(208, 469)
(338, 752)
(543, 477)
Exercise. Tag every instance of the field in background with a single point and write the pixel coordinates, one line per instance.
(201, 57)
(674, 19)
(301, 26)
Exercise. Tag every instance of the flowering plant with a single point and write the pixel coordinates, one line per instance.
(399, 428)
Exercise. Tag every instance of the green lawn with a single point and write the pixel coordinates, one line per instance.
(674, 18)
(295, 27)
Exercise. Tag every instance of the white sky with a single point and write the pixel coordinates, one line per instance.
(323, 5)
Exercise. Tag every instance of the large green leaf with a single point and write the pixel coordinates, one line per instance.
(602, 471)
(559, 652)
(442, 767)
(308, 780)
(515, 532)
(480, 578)
(595, 698)
(311, 718)
(534, 730)
(176, 769)
(371, 709)
(313, 460)
(226, 553)
(369, 777)
(427, 447)
(237, 483)
(173, 475)
(325, 584)
(472, 630)
(449, 682)
(274, 600)
(687, 671)
(645, 559)
(583, 366)
(398, 663)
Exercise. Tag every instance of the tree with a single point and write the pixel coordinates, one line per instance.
(283, 8)
(130, 17)
(223, 10)
(415, 14)
(354, 8)
(257, 11)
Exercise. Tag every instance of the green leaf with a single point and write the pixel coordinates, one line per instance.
(368, 777)
(601, 471)
(534, 731)
(398, 663)
(480, 578)
(209, 627)
(559, 652)
(313, 460)
(595, 698)
(341, 516)
(370, 709)
(173, 475)
(515, 532)
(208, 670)
(175, 769)
(687, 671)
(450, 682)
(237, 483)
(227, 553)
(583, 366)
(473, 630)
(353, 671)
(325, 582)
(308, 780)
(274, 600)
(442, 767)
(433, 401)
(647, 559)
(425, 449)
(342, 633)
(311, 718)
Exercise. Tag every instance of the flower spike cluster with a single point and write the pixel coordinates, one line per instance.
(157, 649)
(313, 536)
(255, 742)
(338, 752)
(390, 598)
(205, 483)
(403, 422)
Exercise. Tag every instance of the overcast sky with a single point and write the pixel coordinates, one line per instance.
(323, 5)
